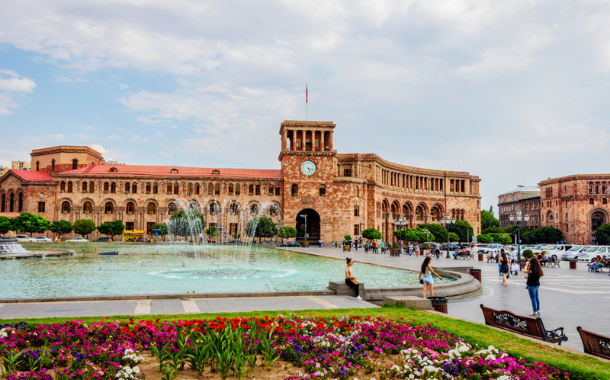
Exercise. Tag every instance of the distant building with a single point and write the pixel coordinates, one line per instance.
(3, 170)
(524, 198)
(576, 204)
(21, 165)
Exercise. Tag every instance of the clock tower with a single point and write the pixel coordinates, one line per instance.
(309, 164)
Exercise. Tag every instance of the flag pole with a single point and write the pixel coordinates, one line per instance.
(306, 100)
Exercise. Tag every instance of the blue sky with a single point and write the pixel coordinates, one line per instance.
(511, 91)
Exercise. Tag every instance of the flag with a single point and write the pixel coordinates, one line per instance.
(306, 94)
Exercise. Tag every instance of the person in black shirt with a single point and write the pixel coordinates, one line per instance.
(533, 269)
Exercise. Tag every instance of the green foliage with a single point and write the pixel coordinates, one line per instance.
(488, 220)
(111, 228)
(6, 224)
(414, 234)
(501, 238)
(484, 238)
(602, 235)
(162, 227)
(236, 236)
(83, 227)
(372, 234)
(453, 236)
(61, 227)
(347, 237)
(528, 254)
(463, 229)
(439, 232)
(287, 232)
(261, 227)
(27, 222)
(212, 231)
(547, 234)
(186, 222)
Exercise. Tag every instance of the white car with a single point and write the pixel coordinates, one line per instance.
(42, 239)
(592, 252)
(24, 239)
(77, 240)
(574, 251)
(558, 251)
(475, 248)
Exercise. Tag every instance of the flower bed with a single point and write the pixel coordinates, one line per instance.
(295, 348)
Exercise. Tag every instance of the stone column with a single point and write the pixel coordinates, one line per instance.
(284, 140)
(322, 141)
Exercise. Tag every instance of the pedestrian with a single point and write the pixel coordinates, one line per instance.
(437, 250)
(504, 267)
(410, 249)
(333, 244)
(200, 238)
(416, 250)
(382, 246)
(320, 243)
(356, 244)
(498, 255)
(427, 271)
(533, 269)
(350, 280)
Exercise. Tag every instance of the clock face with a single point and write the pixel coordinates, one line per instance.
(308, 168)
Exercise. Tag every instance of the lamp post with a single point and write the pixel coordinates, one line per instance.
(518, 219)
(400, 222)
(305, 216)
(447, 221)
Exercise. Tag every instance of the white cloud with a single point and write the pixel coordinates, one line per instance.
(81, 136)
(139, 139)
(12, 85)
(123, 86)
(99, 148)
(159, 134)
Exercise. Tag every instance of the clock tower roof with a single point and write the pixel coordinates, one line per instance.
(307, 138)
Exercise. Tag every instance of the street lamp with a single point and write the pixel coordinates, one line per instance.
(447, 221)
(400, 222)
(305, 216)
(518, 219)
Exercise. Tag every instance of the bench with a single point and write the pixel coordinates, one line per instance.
(528, 326)
(550, 263)
(465, 256)
(595, 344)
(394, 253)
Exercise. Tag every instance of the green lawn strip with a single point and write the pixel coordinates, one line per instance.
(579, 366)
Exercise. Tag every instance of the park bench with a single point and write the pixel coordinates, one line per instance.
(528, 326)
(465, 256)
(394, 253)
(551, 263)
(595, 344)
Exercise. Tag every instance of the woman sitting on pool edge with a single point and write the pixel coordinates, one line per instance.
(350, 280)
(428, 282)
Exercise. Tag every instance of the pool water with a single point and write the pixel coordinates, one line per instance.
(161, 269)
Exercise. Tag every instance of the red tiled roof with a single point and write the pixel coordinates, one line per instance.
(28, 175)
(165, 171)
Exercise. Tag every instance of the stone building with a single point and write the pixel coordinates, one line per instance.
(21, 165)
(524, 198)
(576, 204)
(333, 194)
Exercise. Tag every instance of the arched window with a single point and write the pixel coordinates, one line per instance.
(277, 190)
(3, 205)
(257, 190)
(20, 203)
(74, 164)
(130, 207)
(233, 208)
(357, 191)
(214, 208)
(70, 187)
(270, 190)
(11, 203)
(273, 210)
(254, 209)
(84, 187)
(356, 210)
(231, 191)
(597, 219)
(322, 190)
(591, 201)
(37, 166)
(62, 186)
(215, 172)
(176, 188)
(155, 189)
(190, 188)
(237, 189)
(171, 208)
(113, 187)
(168, 188)
(197, 189)
(134, 188)
(151, 208)
(148, 187)
(604, 201)
(113, 170)
(65, 207)
(91, 187)
(53, 165)
(217, 189)
(251, 190)
(108, 208)
(210, 189)
(174, 171)
(87, 208)
(295, 190)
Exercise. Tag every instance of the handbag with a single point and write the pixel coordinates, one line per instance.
(421, 281)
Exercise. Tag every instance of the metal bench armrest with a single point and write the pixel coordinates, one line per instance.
(555, 334)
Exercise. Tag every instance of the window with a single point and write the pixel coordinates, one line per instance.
(251, 190)
(174, 171)
(70, 187)
(151, 208)
(168, 188)
(53, 165)
(113, 187)
(270, 190)
(211, 189)
(62, 186)
(113, 170)
(604, 201)
(277, 190)
(91, 187)
(41, 207)
(155, 188)
(357, 192)
(254, 209)
(65, 207)
(356, 229)
(87, 208)
(127, 187)
(215, 172)
(295, 190)
(214, 208)
(74, 164)
(130, 226)
(176, 188)
(130, 207)
(217, 189)
(190, 188)
(134, 188)
(197, 189)
(233, 208)
(20, 203)
(591, 201)
(258, 190)
(171, 208)
(356, 210)
(347, 172)
(237, 189)
(148, 188)
(11, 203)
(3, 205)
(108, 208)
(84, 187)
(231, 189)
(322, 190)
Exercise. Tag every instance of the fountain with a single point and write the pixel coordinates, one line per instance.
(11, 246)
(11, 249)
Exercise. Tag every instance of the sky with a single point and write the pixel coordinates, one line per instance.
(514, 92)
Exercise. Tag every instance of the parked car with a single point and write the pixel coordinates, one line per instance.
(558, 250)
(475, 248)
(102, 239)
(42, 239)
(539, 248)
(591, 253)
(290, 244)
(491, 248)
(572, 252)
(24, 239)
(77, 240)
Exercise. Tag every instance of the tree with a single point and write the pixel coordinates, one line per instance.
(27, 222)
(61, 227)
(414, 234)
(483, 238)
(6, 224)
(261, 227)
(111, 228)
(602, 235)
(453, 236)
(372, 234)
(212, 231)
(542, 235)
(347, 237)
(440, 232)
(83, 227)
(287, 232)
(463, 229)
(488, 219)
(187, 222)
(501, 238)
(162, 229)
(236, 236)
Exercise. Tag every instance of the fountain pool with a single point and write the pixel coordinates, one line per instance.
(162, 269)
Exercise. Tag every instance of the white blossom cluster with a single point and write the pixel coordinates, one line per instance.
(4, 333)
(132, 356)
(128, 373)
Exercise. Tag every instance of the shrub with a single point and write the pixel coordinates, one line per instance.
(528, 254)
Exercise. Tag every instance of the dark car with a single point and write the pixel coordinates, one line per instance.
(102, 240)
(291, 244)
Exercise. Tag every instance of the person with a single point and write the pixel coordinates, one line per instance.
(427, 271)
(533, 269)
(374, 247)
(356, 244)
(497, 257)
(513, 255)
(437, 250)
(544, 258)
(350, 280)
(416, 250)
(410, 249)
(333, 244)
(504, 267)
(382, 246)
(320, 243)
(595, 264)
(200, 238)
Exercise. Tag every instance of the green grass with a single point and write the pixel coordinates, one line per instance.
(579, 366)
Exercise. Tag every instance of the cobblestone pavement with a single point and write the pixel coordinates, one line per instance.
(568, 297)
